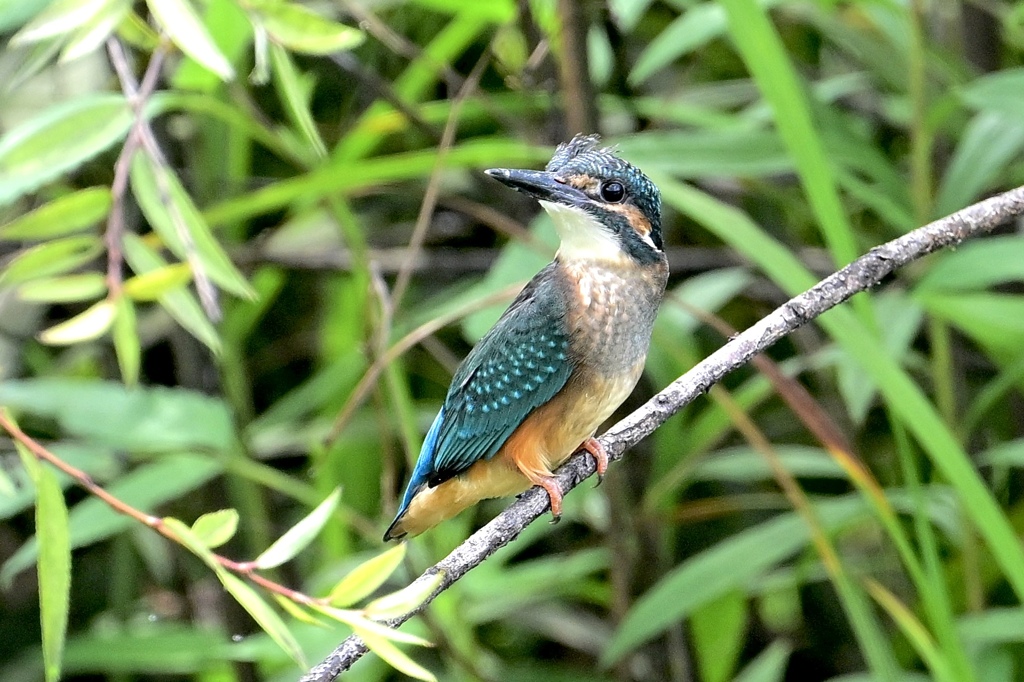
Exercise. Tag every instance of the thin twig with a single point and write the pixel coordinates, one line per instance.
(137, 96)
(860, 275)
(419, 232)
(142, 134)
(244, 568)
(399, 44)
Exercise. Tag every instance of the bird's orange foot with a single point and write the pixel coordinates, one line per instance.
(597, 451)
(550, 484)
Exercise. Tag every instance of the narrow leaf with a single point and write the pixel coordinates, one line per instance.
(86, 326)
(915, 632)
(60, 17)
(186, 29)
(302, 30)
(192, 542)
(51, 258)
(394, 657)
(295, 96)
(297, 612)
(59, 140)
(216, 528)
(405, 600)
(54, 568)
(179, 303)
(87, 286)
(727, 566)
(361, 581)
(71, 213)
(355, 620)
(127, 345)
(263, 614)
(769, 666)
(170, 211)
(92, 35)
(151, 285)
(299, 535)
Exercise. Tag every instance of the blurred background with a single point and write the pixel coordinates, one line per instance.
(246, 243)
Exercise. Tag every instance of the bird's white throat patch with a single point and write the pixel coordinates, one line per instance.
(582, 236)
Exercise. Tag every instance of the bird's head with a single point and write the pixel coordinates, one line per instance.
(603, 207)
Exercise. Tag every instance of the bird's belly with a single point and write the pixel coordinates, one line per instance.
(554, 431)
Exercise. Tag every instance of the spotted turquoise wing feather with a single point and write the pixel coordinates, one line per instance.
(520, 364)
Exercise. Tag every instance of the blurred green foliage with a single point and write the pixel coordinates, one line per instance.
(244, 244)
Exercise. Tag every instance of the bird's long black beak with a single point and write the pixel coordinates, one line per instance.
(542, 185)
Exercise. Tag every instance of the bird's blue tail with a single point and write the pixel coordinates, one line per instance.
(420, 474)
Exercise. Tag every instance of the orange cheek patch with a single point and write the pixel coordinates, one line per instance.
(637, 219)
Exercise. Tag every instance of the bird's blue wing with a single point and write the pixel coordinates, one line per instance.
(517, 367)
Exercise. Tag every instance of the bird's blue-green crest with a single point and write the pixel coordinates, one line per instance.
(583, 156)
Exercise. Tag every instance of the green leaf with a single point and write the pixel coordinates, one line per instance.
(361, 581)
(405, 600)
(702, 153)
(394, 656)
(51, 258)
(768, 62)
(60, 18)
(179, 303)
(994, 625)
(215, 528)
(88, 325)
(996, 321)
(297, 612)
(1002, 91)
(300, 535)
(151, 419)
(161, 649)
(295, 95)
(743, 464)
(14, 13)
(59, 140)
(186, 29)
(301, 30)
(264, 615)
(192, 542)
(232, 31)
(71, 213)
(356, 620)
(87, 286)
(718, 630)
(95, 32)
(127, 345)
(151, 285)
(914, 631)
(698, 26)
(54, 568)
(169, 209)
(978, 264)
(728, 566)
(768, 666)
(990, 142)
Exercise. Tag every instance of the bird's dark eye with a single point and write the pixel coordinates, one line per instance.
(613, 192)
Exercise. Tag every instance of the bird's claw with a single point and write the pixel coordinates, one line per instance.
(597, 451)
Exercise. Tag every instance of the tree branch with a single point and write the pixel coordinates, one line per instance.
(859, 275)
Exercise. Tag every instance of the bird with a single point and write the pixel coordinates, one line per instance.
(563, 356)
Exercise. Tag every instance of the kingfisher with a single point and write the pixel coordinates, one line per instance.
(566, 353)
